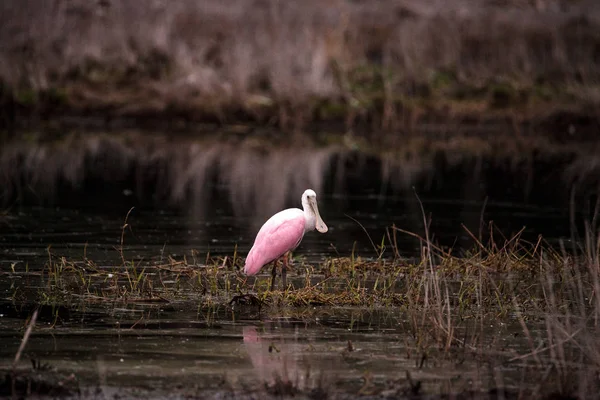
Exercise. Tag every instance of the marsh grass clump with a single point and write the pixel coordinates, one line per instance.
(67, 281)
(489, 278)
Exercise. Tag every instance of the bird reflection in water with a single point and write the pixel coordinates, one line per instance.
(275, 364)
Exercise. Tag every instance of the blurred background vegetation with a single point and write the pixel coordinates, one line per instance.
(390, 65)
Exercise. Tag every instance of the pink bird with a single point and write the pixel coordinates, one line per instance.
(282, 233)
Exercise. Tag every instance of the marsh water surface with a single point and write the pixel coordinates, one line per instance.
(150, 351)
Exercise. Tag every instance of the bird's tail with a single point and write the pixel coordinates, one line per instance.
(252, 266)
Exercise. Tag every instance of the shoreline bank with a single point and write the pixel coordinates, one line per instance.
(386, 67)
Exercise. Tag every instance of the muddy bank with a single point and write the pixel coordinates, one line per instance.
(388, 65)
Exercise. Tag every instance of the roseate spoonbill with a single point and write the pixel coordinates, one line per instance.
(281, 234)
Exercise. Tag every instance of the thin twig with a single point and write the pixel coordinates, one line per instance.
(25, 339)
(425, 226)
(474, 238)
(125, 225)
(481, 218)
(416, 235)
(538, 351)
(369, 236)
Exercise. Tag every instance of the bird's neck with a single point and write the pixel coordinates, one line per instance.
(310, 218)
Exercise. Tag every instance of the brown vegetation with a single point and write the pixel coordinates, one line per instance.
(388, 64)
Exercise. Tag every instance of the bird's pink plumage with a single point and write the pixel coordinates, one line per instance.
(281, 233)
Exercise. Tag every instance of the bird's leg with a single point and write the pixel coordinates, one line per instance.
(284, 270)
(273, 275)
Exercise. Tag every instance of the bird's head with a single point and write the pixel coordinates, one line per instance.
(309, 202)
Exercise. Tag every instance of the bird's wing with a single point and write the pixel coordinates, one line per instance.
(274, 238)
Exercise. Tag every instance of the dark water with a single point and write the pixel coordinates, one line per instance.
(150, 351)
(26, 233)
